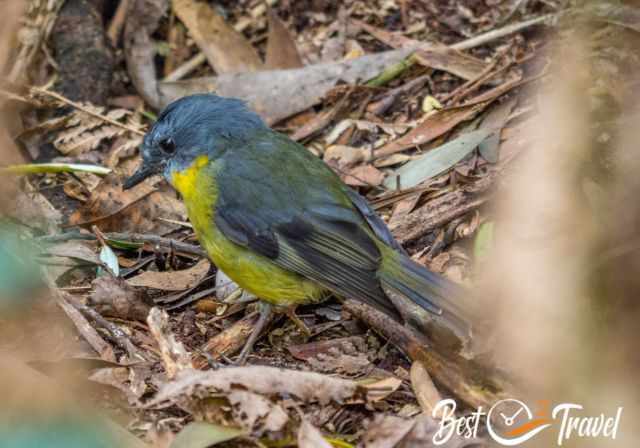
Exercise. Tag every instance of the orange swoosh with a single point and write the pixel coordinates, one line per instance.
(526, 427)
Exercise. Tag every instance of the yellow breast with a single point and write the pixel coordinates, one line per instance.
(253, 272)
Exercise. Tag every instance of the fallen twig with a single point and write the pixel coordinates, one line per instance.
(156, 240)
(86, 110)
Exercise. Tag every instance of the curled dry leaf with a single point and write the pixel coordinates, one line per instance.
(135, 210)
(113, 297)
(310, 437)
(173, 280)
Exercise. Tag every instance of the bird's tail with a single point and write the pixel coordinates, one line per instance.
(402, 276)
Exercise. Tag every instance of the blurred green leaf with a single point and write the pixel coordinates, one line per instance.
(202, 435)
(56, 434)
(483, 244)
(19, 270)
(437, 160)
(36, 168)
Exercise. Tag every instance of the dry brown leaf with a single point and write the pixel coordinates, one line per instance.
(310, 437)
(226, 49)
(432, 127)
(308, 387)
(444, 120)
(135, 210)
(282, 52)
(393, 39)
(172, 280)
(85, 132)
(113, 297)
(364, 176)
(422, 384)
(345, 156)
(441, 57)
(381, 388)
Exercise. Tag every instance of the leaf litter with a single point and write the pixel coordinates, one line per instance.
(378, 137)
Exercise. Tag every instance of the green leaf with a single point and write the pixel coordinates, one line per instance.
(483, 243)
(437, 160)
(36, 168)
(122, 244)
(202, 435)
(110, 259)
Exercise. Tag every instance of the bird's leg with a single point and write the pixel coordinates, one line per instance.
(263, 319)
(290, 311)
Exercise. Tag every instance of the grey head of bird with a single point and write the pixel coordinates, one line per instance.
(191, 126)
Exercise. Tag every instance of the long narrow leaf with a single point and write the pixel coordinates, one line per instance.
(437, 160)
(37, 168)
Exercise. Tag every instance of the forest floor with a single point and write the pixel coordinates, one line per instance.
(423, 107)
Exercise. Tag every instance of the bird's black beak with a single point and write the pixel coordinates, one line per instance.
(141, 174)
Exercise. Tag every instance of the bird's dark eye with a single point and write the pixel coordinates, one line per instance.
(168, 145)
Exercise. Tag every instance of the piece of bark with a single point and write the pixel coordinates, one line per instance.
(81, 50)
(278, 94)
(174, 356)
(229, 341)
(441, 210)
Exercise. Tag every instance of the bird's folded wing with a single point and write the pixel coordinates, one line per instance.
(324, 243)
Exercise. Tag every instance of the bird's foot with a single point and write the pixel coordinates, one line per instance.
(263, 319)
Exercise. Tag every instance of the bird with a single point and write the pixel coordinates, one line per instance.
(277, 220)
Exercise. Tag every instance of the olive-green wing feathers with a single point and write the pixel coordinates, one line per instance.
(323, 243)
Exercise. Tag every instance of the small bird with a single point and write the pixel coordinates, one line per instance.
(276, 219)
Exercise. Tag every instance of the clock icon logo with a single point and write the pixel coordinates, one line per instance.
(510, 421)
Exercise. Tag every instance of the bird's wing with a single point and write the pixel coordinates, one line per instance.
(322, 242)
(375, 222)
